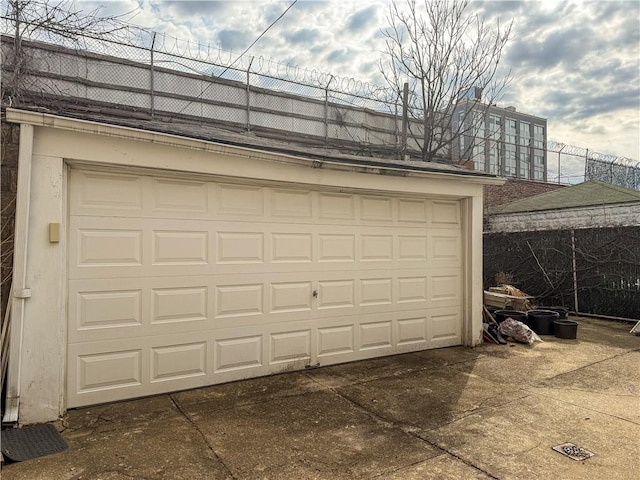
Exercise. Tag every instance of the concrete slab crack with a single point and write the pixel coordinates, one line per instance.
(409, 430)
(202, 434)
(608, 414)
(457, 457)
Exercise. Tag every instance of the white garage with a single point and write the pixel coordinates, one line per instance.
(182, 263)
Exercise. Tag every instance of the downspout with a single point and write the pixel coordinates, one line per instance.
(19, 284)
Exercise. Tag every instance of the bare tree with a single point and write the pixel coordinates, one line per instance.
(56, 21)
(446, 55)
(60, 22)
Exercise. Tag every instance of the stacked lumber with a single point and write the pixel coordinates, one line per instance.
(508, 296)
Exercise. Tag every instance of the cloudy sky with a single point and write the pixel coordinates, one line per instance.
(575, 63)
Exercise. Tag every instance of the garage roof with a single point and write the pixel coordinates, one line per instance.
(211, 133)
(590, 193)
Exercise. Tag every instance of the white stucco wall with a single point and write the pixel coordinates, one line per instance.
(59, 142)
(586, 217)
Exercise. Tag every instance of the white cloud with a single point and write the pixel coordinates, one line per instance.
(575, 63)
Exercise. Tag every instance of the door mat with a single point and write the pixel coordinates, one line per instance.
(573, 451)
(20, 444)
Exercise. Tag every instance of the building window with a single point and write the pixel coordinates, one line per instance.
(494, 157)
(538, 136)
(510, 160)
(525, 149)
(478, 157)
(495, 123)
(538, 164)
(461, 115)
(525, 133)
(525, 163)
(510, 131)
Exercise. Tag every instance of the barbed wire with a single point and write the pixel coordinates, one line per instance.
(141, 38)
(142, 44)
(565, 149)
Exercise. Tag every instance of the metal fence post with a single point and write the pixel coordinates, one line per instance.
(152, 79)
(326, 110)
(249, 95)
(575, 274)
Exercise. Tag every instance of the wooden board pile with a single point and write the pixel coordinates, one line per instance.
(508, 297)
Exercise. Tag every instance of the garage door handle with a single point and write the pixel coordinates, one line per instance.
(315, 293)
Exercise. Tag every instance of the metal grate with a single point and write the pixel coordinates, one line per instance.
(572, 451)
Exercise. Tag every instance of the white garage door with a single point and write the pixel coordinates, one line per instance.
(178, 283)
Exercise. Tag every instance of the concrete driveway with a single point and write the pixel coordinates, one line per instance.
(490, 412)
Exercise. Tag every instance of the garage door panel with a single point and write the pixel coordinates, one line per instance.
(377, 209)
(412, 248)
(340, 207)
(412, 211)
(336, 248)
(291, 296)
(178, 361)
(445, 214)
(109, 370)
(238, 353)
(180, 247)
(104, 247)
(101, 193)
(239, 201)
(444, 327)
(336, 340)
(291, 247)
(444, 287)
(445, 249)
(376, 248)
(376, 336)
(101, 309)
(290, 205)
(291, 345)
(177, 282)
(239, 300)
(375, 291)
(412, 289)
(412, 331)
(180, 304)
(187, 198)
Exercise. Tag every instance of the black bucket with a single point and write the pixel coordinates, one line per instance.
(565, 329)
(541, 321)
(502, 315)
(561, 311)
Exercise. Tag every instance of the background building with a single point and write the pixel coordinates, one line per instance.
(501, 141)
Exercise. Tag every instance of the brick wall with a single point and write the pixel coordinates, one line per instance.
(515, 189)
(9, 139)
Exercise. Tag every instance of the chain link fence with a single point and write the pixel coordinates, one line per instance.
(146, 71)
(161, 75)
(624, 175)
(594, 270)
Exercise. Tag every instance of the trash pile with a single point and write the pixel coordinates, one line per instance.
(510, 314)
(508, 329)
(512, 304)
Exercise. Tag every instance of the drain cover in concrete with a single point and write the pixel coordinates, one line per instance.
(20, 444)
(573, 451)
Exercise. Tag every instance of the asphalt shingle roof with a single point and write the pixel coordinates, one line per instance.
(591, 193)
